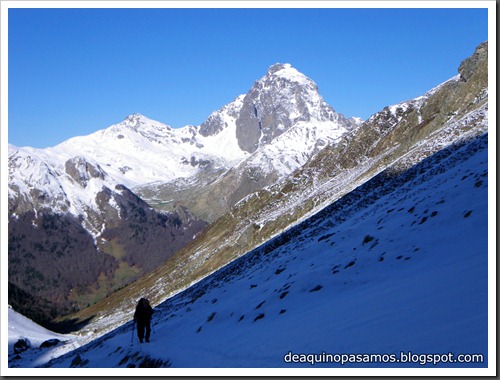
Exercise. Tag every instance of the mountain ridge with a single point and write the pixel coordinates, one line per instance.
(138, 154)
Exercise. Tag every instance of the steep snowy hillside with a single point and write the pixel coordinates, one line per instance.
(35, 343)
(452, 113)
(395, 270)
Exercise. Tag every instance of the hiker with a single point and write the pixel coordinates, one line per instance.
(142, 317)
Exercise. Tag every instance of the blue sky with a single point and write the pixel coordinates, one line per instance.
(75, 71)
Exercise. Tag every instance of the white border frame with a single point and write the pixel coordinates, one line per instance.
(5, 5)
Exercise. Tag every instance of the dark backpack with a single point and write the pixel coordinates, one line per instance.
(143, 311)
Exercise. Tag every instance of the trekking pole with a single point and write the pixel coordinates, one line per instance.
(132, 336)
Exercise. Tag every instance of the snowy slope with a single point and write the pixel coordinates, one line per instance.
(135, 151)
(21, 327)
(140, 150)
(398, 265)
(41, 178)
(291, 150)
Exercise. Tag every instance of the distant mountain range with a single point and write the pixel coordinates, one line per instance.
(79, 199)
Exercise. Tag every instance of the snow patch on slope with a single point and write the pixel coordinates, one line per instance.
(20, 327)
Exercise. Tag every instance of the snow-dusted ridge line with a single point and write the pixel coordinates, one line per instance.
(418, 101)
(435, 141)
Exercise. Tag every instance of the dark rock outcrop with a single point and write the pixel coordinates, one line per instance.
(80, 170)
(22, 345)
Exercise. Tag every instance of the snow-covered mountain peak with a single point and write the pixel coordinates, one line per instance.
(144, 125)
(288, 72)
(277, 102)
(283, 69)
(283, 75)
(134, 118)
(278, 67)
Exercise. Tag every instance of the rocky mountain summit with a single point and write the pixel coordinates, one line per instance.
(281, 99)
(277, 126)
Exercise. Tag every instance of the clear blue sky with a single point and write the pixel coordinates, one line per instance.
(75, 71)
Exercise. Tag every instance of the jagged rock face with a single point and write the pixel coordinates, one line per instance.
(81, 170)
(470, 65)
(218, 121)
(276, 102)
(214, 124)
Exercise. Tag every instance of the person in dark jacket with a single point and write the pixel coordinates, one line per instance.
(142, 317)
